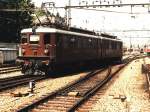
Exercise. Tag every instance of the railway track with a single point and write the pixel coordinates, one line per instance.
(11, 82)
(71, 97)
(7, 65)
(9, 69)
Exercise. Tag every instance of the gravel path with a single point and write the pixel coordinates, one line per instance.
(9, 103)
(131, 84)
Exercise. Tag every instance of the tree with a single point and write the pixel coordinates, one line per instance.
(12, 21)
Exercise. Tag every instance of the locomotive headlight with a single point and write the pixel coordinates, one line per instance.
(46, 51)
(46, 62)
(23, 50)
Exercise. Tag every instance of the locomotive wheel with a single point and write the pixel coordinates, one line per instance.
(29, 72)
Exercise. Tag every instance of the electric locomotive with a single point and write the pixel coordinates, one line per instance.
(45, 49)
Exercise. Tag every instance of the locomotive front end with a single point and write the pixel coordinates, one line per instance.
(34, 53)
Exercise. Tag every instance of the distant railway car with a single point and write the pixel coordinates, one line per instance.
(8, 55)
(46, 48)
(147, 51)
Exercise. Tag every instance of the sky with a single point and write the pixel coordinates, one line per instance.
(111, 22)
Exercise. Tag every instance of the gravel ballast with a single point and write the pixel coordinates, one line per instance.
(130, 84)
(9, 103)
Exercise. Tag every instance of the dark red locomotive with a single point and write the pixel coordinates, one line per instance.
(45, 49)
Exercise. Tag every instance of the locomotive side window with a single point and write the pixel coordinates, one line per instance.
(90, 43)
(106, 44)
(47, 38)
(79, 42)
(59, 40)
(120, 45)
(34, 39)
(84, 43)
(72, 41)
(94, 43)
(114, 45)
(24, 39)
(110, 44)
(65, 41)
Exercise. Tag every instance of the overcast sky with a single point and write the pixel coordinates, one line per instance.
(111, 21)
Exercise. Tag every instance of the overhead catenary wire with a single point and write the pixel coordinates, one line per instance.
(102, 10)
(84, 6)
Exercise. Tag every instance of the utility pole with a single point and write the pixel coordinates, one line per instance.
(130, 45)
(17, 20)
(69, 15)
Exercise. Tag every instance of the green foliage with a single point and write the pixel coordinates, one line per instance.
(40, 12)
(11, 22)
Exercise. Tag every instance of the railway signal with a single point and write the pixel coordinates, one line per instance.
(31, 86)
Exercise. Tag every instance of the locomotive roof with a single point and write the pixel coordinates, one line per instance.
(54, 30)
(74, 29)
(108, 35)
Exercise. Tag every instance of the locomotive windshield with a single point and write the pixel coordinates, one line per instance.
(34, 39)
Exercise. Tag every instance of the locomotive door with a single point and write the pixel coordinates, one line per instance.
(103, 48)
(50, 46)
(99, 49)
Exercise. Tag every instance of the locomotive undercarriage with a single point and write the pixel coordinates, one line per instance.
(44, 67)
(34, 67)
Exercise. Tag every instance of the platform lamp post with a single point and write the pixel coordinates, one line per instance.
(149, 8)
(93, 3)
(69, 14)
(83, 2)
(103, 26)
(130, 44)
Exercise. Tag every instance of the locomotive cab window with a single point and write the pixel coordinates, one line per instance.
(34, 39)
(47, 38)
(24, 39)
(59, 40)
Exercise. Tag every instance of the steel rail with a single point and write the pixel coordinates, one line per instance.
(53, 94)
(98, 86)
(93, 90)
(9, 69)
(18, 81)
